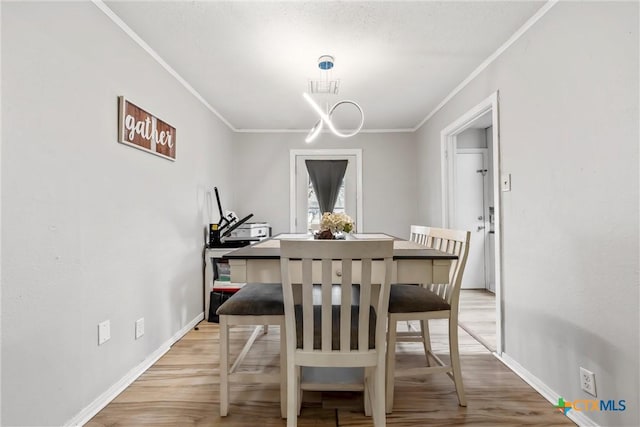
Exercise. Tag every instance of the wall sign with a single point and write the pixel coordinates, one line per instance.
(143, 130)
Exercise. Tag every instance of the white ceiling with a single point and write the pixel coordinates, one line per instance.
(251, 61)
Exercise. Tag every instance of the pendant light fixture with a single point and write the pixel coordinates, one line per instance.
(325, 63)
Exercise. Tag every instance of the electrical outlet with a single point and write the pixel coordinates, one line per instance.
(104, 332)
(139, 327)
(588, 381)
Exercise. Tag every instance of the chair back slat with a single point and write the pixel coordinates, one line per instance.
(326, 304)
(365, 301)
(356, 259)
(345, 305)
(307, 304)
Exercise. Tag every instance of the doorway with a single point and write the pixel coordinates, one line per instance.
(304, 213)
(471, 201)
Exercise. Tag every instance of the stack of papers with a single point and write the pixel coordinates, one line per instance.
(227, 286)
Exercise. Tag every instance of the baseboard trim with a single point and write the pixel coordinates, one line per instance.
(105, 398)
(576, 416)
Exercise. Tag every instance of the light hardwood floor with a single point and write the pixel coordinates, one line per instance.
(181, 389)
(477, 315)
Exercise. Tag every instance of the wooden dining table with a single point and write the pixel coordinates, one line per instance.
(412, 262)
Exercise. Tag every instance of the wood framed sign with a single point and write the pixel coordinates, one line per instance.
(143, 130)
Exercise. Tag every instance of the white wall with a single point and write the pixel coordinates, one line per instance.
(389, 171)
(569, 137)
(92, 229)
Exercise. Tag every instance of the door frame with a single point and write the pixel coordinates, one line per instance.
(448, 141)
(294, 153)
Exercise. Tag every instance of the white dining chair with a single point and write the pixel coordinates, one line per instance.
(348, 332)
(422, 303)
(254, 304)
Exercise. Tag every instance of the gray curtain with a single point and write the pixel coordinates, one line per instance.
(326, 177)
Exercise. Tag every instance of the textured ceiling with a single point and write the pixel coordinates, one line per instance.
(251, 61)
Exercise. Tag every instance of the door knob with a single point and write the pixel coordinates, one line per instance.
(339, 273)
(480, 227)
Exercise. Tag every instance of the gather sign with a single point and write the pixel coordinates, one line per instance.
(143, 130)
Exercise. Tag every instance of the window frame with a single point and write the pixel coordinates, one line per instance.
(337, 153)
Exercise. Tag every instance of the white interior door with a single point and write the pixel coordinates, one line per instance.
(470, 211)
(306, 217)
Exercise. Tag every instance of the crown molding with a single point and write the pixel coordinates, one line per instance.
(401, 130)
(135, 37)
(522, 30)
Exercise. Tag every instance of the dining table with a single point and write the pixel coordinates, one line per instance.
(412, 262)
(260, 263)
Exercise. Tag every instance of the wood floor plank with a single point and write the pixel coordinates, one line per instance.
(477, 315)
(181, 389)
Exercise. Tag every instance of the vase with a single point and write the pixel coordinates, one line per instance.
(329, 235)
(324, 235)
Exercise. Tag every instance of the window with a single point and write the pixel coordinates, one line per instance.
(304, 209)
(313, 210)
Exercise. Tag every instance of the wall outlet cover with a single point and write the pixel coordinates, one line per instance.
(588, 381)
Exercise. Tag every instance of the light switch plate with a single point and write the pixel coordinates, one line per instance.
(505, 182)
(139, 327)
(104, 332)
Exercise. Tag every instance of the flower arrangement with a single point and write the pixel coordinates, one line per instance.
(336, 222)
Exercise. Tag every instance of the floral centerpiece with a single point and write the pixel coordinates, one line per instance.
(334, 224)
